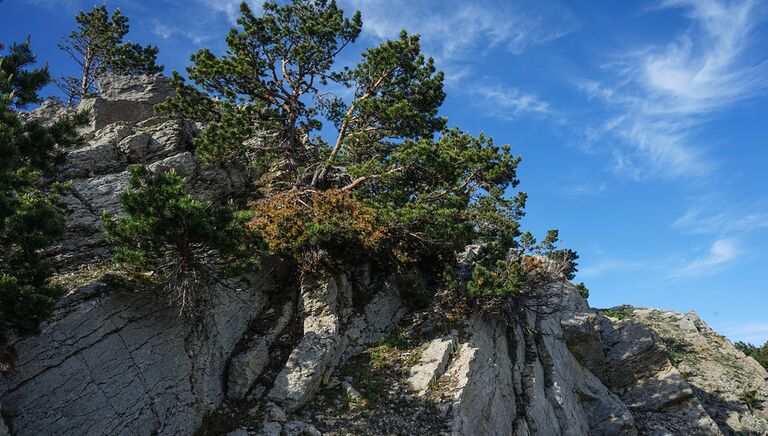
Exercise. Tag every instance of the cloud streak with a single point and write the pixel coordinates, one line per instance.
(722, 252)
(664, 93)
(458, 33)
(509, 103)
(230, 8)
(699, 220)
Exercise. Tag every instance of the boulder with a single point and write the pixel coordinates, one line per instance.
(126, 99)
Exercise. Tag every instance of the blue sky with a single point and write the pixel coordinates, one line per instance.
(642, 125)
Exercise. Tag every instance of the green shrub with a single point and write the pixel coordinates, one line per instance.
(527, 277)
(583, 291)
(179, 245)
(750, 399)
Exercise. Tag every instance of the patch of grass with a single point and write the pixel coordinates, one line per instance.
(676, 350)
(750, 399)
(374, 369)
(611, 314)
(397, 340)
(82, 277)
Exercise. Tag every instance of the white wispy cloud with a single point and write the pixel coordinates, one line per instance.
(722, 252)
(230, 8)
(583, 188)
(662, 94)
(166, 31)
(508, 102)
(456, 32)
(161, 30)
(701, 219)
(457, 29)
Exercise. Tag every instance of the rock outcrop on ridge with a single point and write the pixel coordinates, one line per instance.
(342, 354)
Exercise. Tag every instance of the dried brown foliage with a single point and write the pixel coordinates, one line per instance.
(305, 224)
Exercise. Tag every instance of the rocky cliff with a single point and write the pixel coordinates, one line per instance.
(341, 354)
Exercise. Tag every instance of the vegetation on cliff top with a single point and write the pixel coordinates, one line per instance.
(393, 183)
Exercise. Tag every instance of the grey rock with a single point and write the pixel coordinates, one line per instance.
(333, 332)
(246, 367)
(351, 392)
(432, 363)
(274, 413)
(114, 362)
(582, 336)
(300, 428)
(271, 428)
(123, 136)
(484, 386)
(126, 99)
(249, 364)
(95, 159)
(144, 89)
(378, 318)
(532, 380)
(3, 428)
(48, 113)
(708, 369)
(313, 355)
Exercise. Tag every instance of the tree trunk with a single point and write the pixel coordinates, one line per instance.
(86, 73)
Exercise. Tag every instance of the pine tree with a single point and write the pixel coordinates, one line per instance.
(30, 218)
(272, 77)
(402, 186)
(97, 47)
(180, 245)
(273, 67)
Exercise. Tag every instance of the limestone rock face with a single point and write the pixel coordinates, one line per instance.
(313, 356)
(248, 365)
(272, 356)
(332, 332)
(719, 376)
(432, 363)
(115, 363)
(523, 379)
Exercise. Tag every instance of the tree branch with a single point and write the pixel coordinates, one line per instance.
(360, 180)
